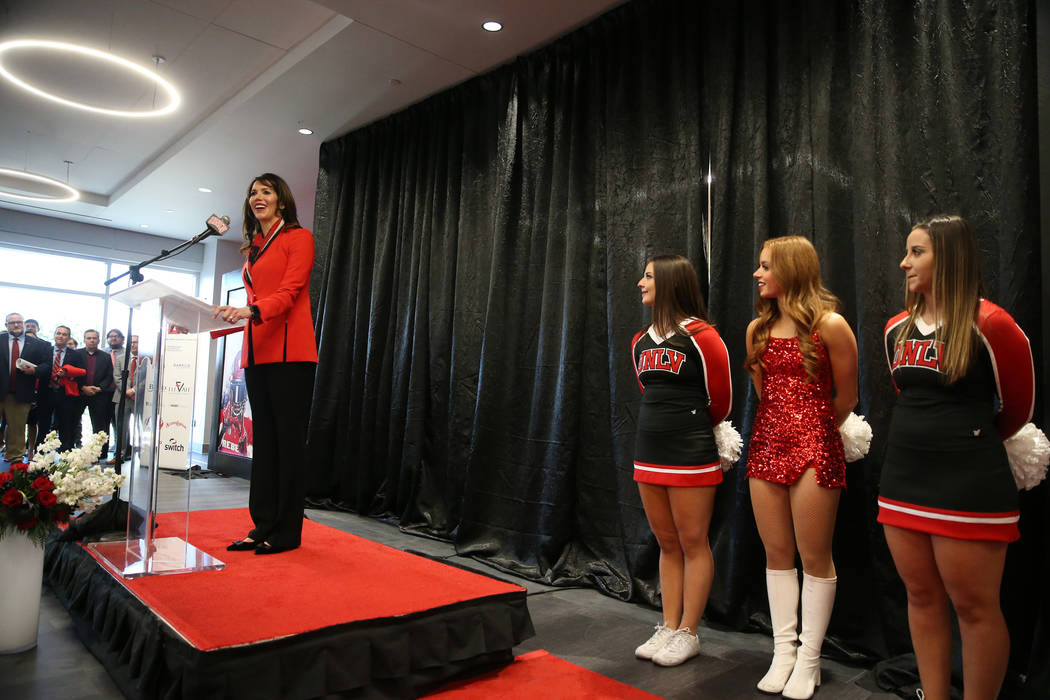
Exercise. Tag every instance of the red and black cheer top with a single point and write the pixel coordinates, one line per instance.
(686, 390)
(946, 471)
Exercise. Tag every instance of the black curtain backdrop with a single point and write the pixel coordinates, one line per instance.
(479, 253)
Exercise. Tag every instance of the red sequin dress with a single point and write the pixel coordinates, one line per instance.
(795, 426)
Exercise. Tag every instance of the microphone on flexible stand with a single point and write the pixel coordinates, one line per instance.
(217, 226)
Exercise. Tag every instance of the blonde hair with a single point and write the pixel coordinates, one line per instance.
(804, 299)
(957, 289)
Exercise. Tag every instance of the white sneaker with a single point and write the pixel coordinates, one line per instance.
(655, 643)
(681, 646)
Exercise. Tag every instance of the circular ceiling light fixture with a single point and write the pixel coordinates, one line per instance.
(492, 26)
(22, 184)
(304, 131)
(58, 46)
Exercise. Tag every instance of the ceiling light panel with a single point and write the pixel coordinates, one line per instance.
(22, 185)
(53, 63)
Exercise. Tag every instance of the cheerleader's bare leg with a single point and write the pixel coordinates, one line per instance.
(972, 572)
(691, 509)
(772, 506)
(657, 504)
(928, 618)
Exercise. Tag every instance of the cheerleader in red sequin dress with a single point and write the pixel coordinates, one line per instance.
(802, 357)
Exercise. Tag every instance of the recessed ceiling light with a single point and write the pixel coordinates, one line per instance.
(143, 225)
(305, 132)
(204, 189)
(169, 211)
(56, 46)
(492, 26)
(9, 182)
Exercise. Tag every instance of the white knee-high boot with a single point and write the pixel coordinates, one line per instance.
(782, 590)
(818, 597)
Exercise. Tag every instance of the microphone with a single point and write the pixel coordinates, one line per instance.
(217, 226)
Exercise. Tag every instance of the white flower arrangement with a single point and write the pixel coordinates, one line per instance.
(39, 496)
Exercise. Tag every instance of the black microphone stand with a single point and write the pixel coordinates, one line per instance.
(135, 274)
(113, 515)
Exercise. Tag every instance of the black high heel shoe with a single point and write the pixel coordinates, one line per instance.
(267, 548)
(242, 545)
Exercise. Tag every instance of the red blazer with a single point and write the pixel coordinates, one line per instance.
(278, 283)
(69, 382)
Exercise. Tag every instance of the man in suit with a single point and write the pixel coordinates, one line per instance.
(97, 391)
(22, 360)
(57, 408)
(116, 351)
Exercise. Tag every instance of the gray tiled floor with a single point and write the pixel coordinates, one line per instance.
(578, 625)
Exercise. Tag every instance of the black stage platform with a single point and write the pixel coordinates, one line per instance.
(400, 657)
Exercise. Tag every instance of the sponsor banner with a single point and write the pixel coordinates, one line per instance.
(176, 409)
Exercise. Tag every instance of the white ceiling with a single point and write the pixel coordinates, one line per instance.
(249, 72)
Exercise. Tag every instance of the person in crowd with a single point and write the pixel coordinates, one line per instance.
(32, 329)
(117, 354)
(682, 368)
(78, 426)
(948, 502)
(23, 359)
(115, 349)
(802, 357)
(279, 357)
(97, 388)
(58, 403)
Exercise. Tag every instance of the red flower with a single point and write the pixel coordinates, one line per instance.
(42, 483)
(21, 466)
(5, 479)
(11, 498)
(46, 499)
(28, 524)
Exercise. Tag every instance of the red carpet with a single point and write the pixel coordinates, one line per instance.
(332, 579)
(540, 675)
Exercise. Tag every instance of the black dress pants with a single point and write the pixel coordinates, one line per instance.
(58, 412)
(280, 395)
(98, 410)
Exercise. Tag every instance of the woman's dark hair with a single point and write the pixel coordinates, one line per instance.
(678, 295)
(285, 205)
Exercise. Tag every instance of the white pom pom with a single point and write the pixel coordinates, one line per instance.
(1029, 453)
(856, 437)
(729, 442)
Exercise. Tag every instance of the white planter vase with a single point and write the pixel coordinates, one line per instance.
(21, 574)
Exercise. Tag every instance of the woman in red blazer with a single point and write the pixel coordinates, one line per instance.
(279, 356)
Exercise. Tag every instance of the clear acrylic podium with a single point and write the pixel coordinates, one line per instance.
(167, 323)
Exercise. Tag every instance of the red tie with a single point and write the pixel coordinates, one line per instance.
(134, 366)
(14, 362)
(55, 366)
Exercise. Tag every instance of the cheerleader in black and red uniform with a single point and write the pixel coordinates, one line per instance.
(948, 502)
(683, 371)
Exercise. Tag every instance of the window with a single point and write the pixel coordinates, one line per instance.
(70, 291)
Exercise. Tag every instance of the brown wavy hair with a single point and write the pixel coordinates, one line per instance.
(957, 291)
(285, 206)
(677, 294)
(804, 299)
